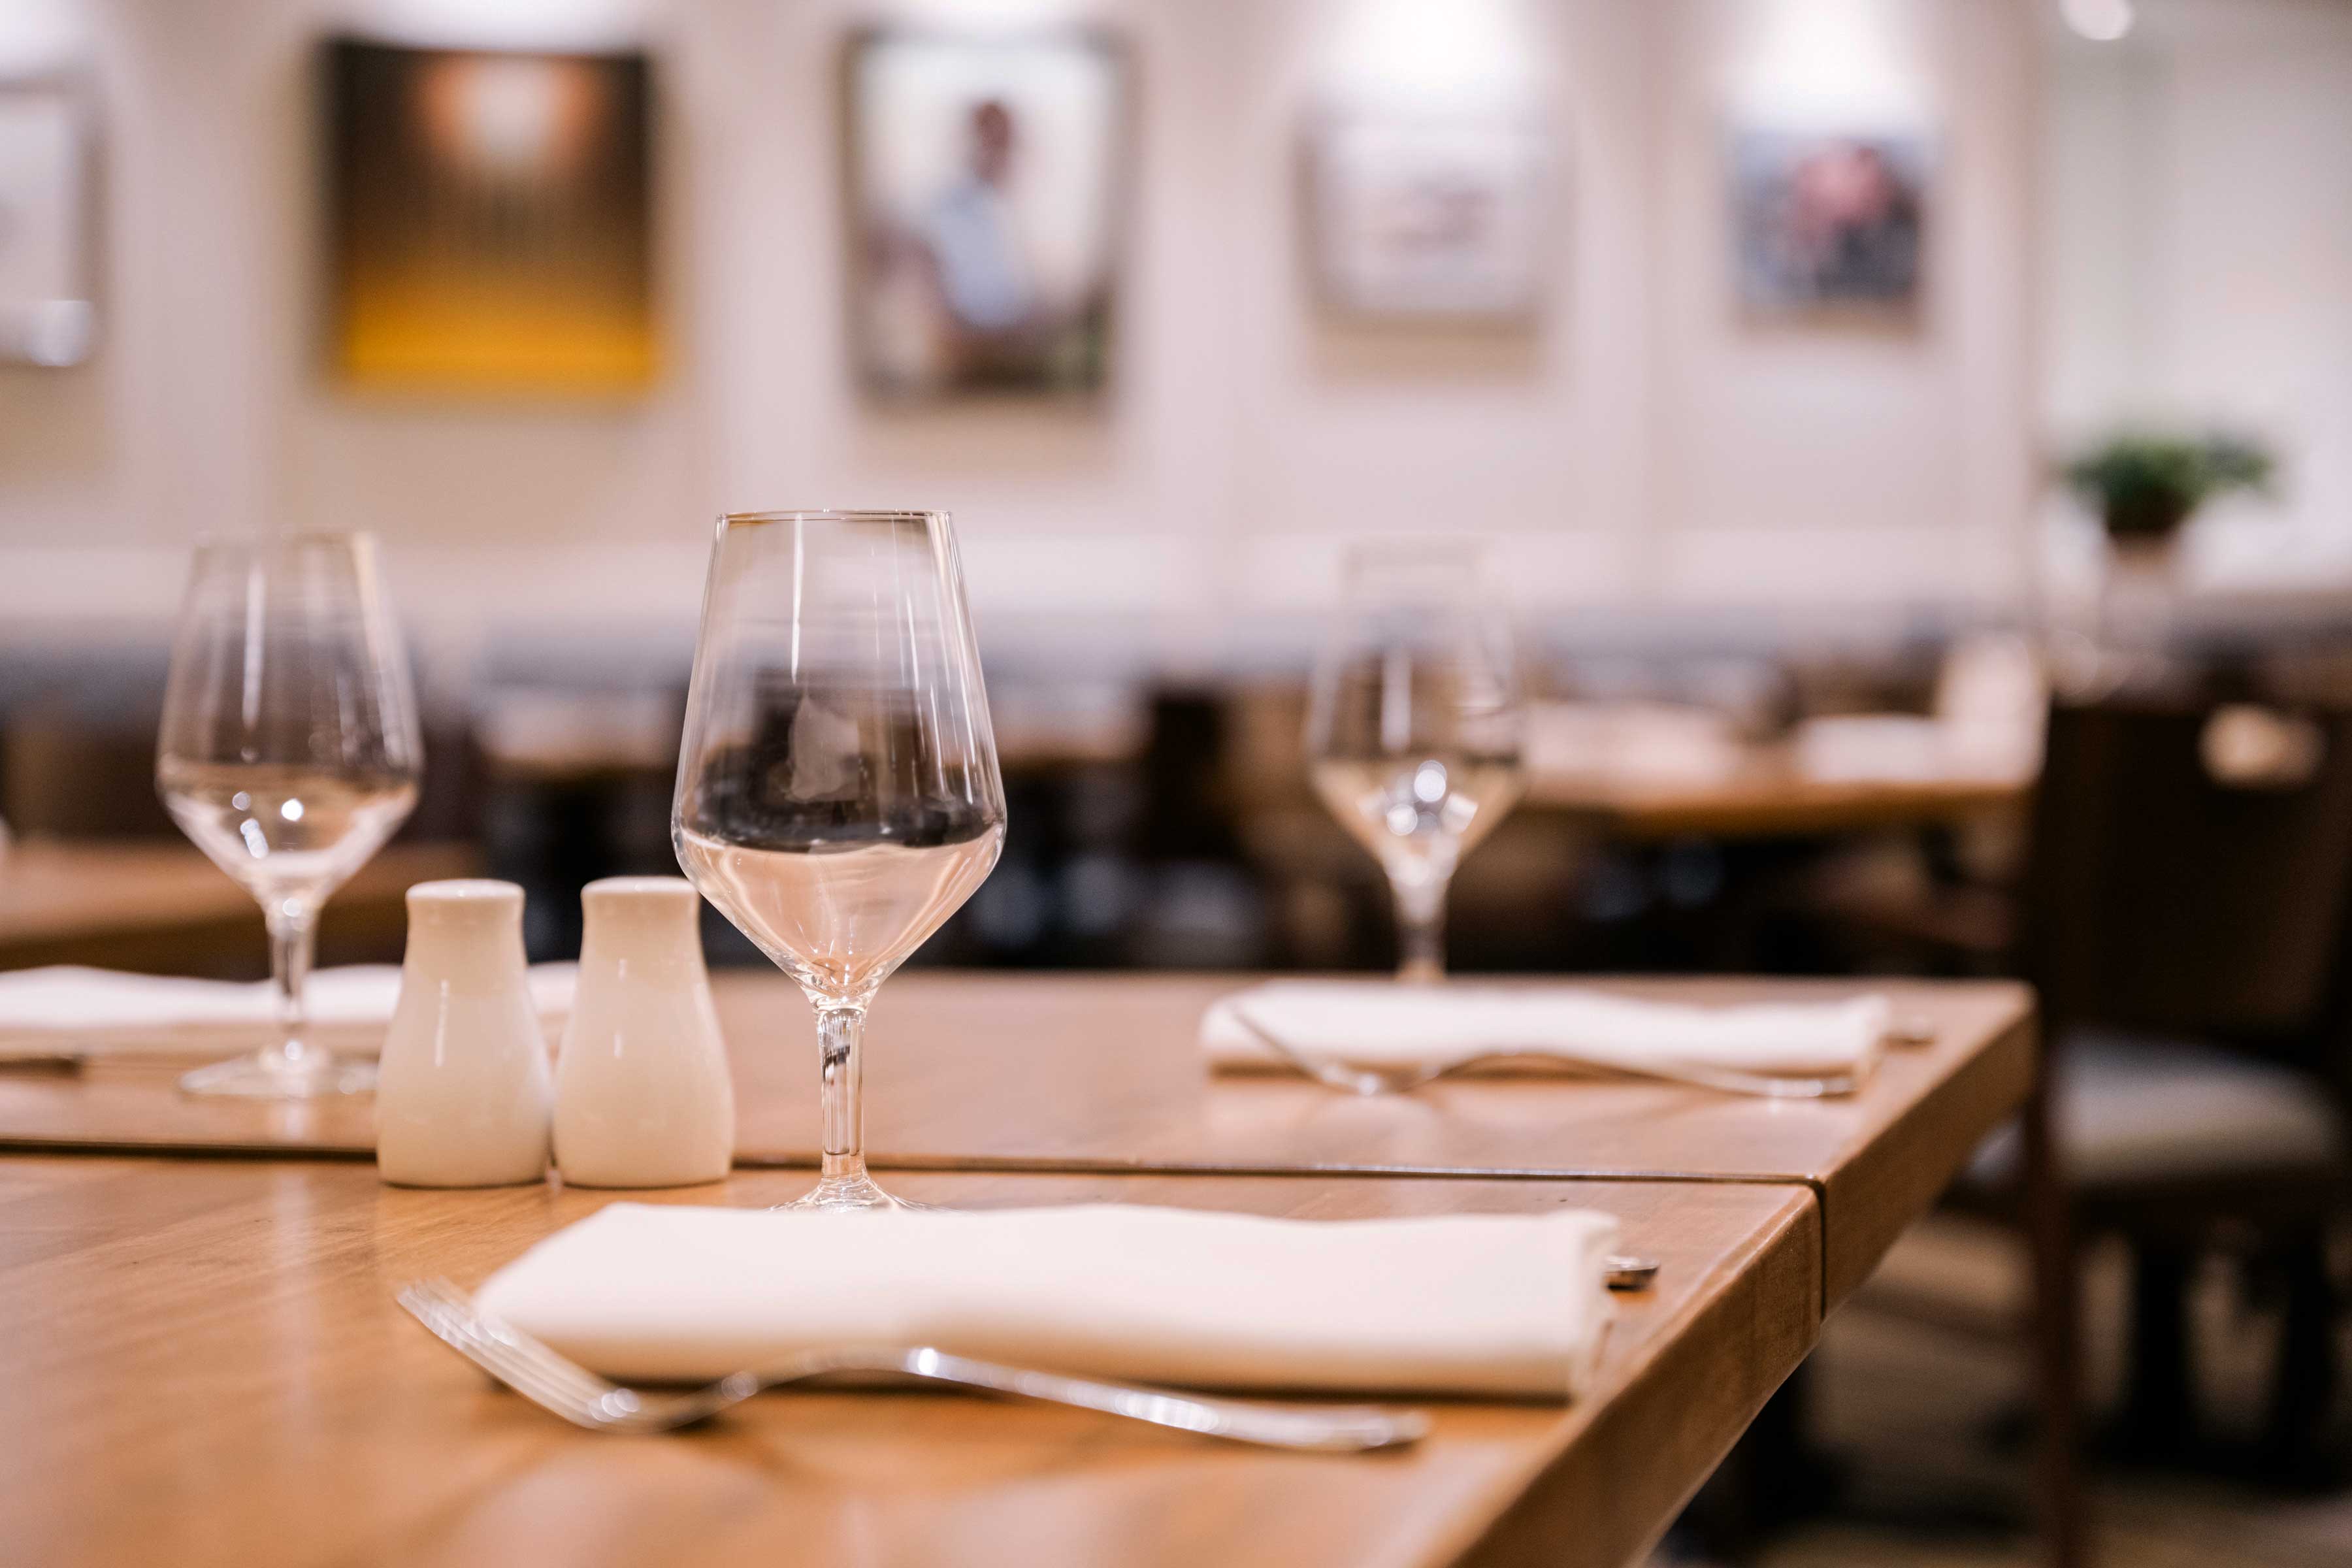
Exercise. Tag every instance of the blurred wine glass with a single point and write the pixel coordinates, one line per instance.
(1414, 729)
(289, 753)
(837, 790)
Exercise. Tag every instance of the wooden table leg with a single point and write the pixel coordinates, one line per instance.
(2305, 1384)
(2056, 1368)
(2160, 1407)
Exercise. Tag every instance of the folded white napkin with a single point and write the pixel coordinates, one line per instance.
(1870, 748)
(1379, 1024)
(1465, 1304)
(1632, 742)
(65, 1007)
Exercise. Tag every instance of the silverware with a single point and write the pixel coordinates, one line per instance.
(565, 1388)
(1407, 1076)
(1627, 1273)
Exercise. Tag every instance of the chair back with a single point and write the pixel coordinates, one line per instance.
(63, 776)
(2189, 870)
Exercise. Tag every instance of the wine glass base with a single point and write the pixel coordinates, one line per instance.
(848, 1194)
(266, 1076)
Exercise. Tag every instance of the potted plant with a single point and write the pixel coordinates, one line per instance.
(2144, 486)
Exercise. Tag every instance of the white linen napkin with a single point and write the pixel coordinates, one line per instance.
(1505, 1305)
(1379, 1024)
(65, 1007)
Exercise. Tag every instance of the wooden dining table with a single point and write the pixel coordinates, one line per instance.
(1104, 1073)
(202, 1290)
(1769, 798)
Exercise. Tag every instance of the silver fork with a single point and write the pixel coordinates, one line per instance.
(1407, 1076)
(565, 1388)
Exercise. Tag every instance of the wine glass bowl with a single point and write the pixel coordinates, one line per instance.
(289, 753)
(1413, 727)
(838, 796)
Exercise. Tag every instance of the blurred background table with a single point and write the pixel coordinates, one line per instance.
(159, 905)
(1768, 798)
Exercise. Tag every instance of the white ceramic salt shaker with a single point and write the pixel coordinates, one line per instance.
(642, 1098)
(463, 1097)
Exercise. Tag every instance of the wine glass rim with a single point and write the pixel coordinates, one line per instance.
(832, 514)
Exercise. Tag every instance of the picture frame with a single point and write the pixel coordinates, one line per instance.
(1829, 224)
(986, 178)
(489, 223)
(1433, 217)
(48, 310)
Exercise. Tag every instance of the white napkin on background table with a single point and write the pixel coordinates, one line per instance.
(66, 1007)
(1380, 1023)
(1504, 1305)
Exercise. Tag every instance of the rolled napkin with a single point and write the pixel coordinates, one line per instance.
(1465, 1304)
(1379, 1024)
(90, 1011)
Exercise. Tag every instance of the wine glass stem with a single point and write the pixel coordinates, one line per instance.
(1421, 928)
(293, 932)
(840, 1035)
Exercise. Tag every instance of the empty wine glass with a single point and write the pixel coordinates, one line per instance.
(1414, 729)
(837, 789)
(289, 753)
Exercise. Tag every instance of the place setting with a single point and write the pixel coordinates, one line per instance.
(1509, 1231)
(838, 799)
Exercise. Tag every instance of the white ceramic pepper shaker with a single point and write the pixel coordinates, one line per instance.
(463, 1097)
(642, 1098)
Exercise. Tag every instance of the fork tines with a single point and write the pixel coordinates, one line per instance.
(514, 1358)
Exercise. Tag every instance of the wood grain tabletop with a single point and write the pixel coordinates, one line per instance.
(206, 1366)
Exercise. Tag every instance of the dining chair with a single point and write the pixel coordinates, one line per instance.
(2184, 919)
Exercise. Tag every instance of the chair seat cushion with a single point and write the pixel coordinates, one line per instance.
(2134, 1108)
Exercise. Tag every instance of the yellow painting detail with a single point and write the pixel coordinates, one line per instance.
(490, 222)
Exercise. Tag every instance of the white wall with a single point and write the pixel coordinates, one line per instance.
(1813, 464)
(2198, 252)
(1641, 447)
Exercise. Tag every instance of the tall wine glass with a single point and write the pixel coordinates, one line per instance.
(837, 790)
(1413, 733)
(290, 753)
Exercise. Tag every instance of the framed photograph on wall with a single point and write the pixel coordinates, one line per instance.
(1424, 216)
(986, 177)
(46, 314)
(1829, 225)
(490, 220)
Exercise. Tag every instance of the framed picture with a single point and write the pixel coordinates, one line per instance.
(985, 187)
(46, 314)
(1827, 224)
(490, 220)
(1440, 218)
